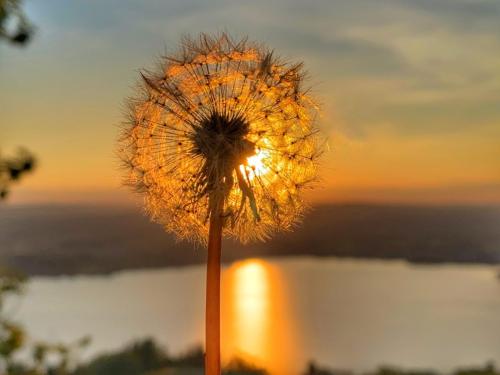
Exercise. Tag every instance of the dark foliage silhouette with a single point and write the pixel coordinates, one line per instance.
(11, 13)
(13, 168)
(46, 358)
(145, 357)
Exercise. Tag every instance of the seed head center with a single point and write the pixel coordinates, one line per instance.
(222, 142)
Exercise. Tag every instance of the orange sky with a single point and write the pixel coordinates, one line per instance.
(409, 97)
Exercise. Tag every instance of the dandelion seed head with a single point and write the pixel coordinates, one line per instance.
(222, 124)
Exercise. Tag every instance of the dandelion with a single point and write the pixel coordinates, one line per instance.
(221, 141)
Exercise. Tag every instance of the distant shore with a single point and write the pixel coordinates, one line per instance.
(66, 239)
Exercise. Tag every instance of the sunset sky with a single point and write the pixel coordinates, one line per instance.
(410, 90)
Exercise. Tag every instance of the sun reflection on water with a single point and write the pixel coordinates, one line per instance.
(251, 305)
(255, 320)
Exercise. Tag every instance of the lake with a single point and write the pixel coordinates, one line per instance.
(282, 312)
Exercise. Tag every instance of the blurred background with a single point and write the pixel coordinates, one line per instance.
(395, 268)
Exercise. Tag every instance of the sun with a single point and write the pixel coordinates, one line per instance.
(256, 165)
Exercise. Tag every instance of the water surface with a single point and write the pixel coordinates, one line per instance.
(349, 314)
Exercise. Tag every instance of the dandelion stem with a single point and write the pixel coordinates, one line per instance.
(212, 318)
